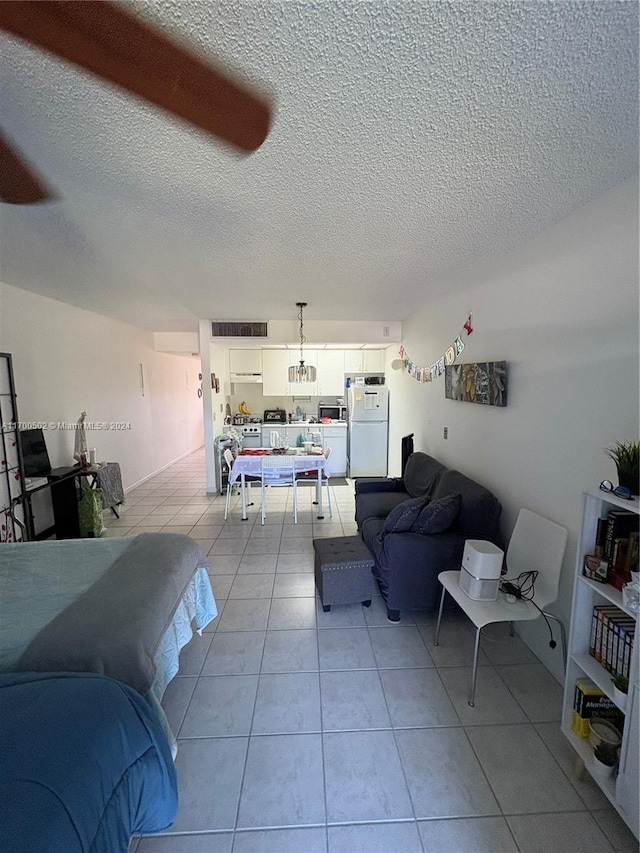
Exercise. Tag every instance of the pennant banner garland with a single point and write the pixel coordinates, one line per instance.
(431, 373)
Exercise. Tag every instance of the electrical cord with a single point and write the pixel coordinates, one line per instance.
(523, 587)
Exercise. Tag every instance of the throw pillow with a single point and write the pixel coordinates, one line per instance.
(402, 517)
(439, 515)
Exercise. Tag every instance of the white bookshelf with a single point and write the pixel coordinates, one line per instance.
(621, 790)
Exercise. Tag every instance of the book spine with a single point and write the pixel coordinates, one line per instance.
(597, 648)
(616, 625)
(626, 655)
(600, 648)
(625, 630)
(601, 535)
(608, 641)
(628, 652)
(592, 637)
(608, 539)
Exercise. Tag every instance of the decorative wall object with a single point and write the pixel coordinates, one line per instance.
(478, 382)
(431, 373)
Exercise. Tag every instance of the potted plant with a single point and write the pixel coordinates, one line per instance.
(626, 455)
(604, 761)
(620, 689)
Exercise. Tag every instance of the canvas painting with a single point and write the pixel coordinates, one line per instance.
(482, 382)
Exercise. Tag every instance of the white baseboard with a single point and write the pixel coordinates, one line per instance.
(160, 470)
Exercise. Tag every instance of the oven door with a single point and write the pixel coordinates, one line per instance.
(253, 439)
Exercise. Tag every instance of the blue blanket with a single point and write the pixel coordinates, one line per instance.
(84, 764)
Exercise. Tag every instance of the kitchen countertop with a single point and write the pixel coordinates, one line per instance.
(310, 424)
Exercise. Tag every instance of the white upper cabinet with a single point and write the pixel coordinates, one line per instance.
(372, 360)
(275, 366)
(330, 366)
(275, 373)
(364, 361)
(245, 361)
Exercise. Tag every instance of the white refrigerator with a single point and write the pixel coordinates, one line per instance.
(368, 428)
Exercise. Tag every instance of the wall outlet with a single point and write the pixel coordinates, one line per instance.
(446, 432)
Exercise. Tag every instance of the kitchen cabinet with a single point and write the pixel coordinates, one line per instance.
(335, 437)
(245, 361)
(275, 373)
(373, 361)
(364, 361)
(275, 366)
(620, 790)
(330, 366)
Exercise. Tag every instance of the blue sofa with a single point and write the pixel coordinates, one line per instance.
(395, 517)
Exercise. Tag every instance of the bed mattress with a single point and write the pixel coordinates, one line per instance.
(111, 775)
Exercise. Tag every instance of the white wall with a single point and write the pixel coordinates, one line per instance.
(563, 312)
(67, 360)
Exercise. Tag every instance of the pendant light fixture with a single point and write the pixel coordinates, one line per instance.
(302, 372)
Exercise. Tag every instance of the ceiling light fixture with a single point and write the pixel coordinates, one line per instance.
(302, 372)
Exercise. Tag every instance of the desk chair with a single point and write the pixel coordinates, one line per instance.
(248, 479)
(312, 474)
(536, 544)
(278, 471)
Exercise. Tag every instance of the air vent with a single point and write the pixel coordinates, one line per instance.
(238, 330)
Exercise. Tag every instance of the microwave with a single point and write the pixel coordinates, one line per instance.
(336, 413)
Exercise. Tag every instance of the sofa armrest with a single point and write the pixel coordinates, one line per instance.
(383, 484)
(413, 563)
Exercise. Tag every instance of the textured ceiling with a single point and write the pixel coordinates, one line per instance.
(409, 139)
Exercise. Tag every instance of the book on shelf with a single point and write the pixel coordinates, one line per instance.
(620, 524)
(595, 639)
(620, 628)
(633, 552)
(590, 701)
(601, 536)
(611, 639)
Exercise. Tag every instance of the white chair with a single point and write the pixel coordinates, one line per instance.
(229, 459)
(536, 544)
(308, 474)
(278, 470)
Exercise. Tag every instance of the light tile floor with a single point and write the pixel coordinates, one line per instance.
(303, 731)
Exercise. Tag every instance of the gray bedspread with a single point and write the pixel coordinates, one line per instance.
(115, 627)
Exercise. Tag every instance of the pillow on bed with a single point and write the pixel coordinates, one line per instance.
(438, 515)
(402, 517)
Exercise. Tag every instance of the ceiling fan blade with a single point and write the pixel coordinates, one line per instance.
(102, 37)
(19, 184)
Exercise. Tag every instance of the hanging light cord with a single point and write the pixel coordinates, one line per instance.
(302, 337)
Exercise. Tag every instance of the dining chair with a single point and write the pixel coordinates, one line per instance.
(278, 470)
(248, 479)
(311, 474)
(537, 545)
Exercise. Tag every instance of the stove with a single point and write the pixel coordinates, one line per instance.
(251, 434)
(251, 429)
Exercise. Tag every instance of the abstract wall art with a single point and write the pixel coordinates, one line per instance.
(482, 382)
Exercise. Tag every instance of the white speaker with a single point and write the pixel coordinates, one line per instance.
(480, 571)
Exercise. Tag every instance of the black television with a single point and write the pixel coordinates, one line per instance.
(35, 456)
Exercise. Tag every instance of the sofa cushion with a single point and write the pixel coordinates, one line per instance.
(479, 514)
(377, 505)
(402, 518)
(438, 516)
(421, 474)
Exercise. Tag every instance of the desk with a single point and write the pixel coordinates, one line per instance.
(63, 485)
(252, 464)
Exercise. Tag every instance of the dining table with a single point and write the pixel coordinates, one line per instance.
(248, 462)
